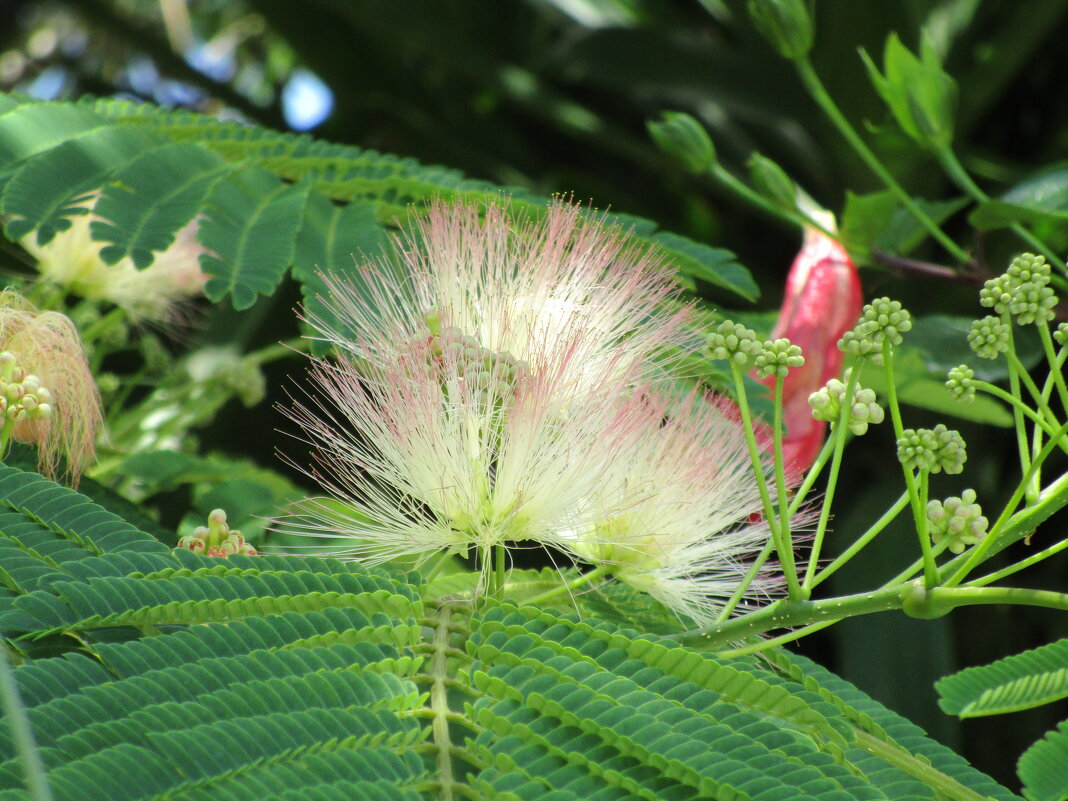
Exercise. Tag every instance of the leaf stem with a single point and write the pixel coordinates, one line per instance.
(863, 540)
(819, 93)
(789, 567)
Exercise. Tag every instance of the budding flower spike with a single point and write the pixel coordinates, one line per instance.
(933, 450)
(960, 381)
(989, 337)
(1022, 291)
(217, 539)
(882, 320)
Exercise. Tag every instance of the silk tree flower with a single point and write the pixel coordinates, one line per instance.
(680, 515)
(41, 353)
(523, 288)
(72, 260)
(822, 301)
(451, 446)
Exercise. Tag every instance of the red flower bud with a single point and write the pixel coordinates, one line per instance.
(823, 300)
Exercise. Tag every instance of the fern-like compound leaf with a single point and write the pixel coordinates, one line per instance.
(1043, 768)
(1022, 681)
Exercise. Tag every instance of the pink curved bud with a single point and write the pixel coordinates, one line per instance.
(823, 300)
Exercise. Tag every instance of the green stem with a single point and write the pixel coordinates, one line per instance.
(862, 540)
(1052, 358)
(439, 702)
(746, 581)
(825, 510)
(754, 453)
(794, 217)
(789, 566)
(955, 170)
(1049, 500)
(813, 474)
(997, 575)
(782, 639)
(32, 769)
(1017, 415)
(499, 569)
(819, 93)
(5, 436)
(998, 392)
(569, 587)
(919, 513)
(935, 602)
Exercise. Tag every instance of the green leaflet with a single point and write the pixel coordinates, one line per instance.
(1022, 681)
(270, 202)
(1043, 768)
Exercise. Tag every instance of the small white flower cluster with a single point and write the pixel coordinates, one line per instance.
(510, 385)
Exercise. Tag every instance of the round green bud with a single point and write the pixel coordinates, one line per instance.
(960, 521)
(989, 337)
(882, 320)
(734, 341)
(933, 450)
(959, 382)
(777, 357)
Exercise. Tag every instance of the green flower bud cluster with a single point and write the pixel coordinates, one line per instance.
(777, 357)
(735, 342)
(1022, 290)
(989, 337)
(960, 382)
(492, 375)
(932, 449)
(216, 539)
(22, 397)
(1061, 334)
(827, 402)
(959, 521)
(881, 320)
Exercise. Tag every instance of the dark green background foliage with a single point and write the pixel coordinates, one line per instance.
(528, 95)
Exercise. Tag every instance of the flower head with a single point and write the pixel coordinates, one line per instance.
(42, 364)
(476, 394)
(678, 517)
(503, 387)
(71, 258)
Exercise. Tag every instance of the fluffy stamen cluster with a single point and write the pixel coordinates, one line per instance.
(498, 390)
(217, 538)
(57, 407)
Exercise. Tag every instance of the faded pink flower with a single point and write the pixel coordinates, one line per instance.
(823, 300)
